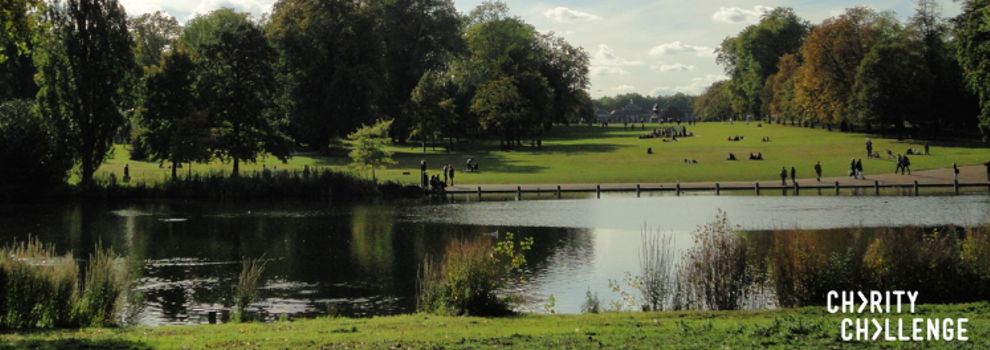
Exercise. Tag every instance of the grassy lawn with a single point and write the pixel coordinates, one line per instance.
(784, 329)
(580, 154)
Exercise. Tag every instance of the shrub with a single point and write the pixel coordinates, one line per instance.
(469, 278)
(714, 274)
(30, 155)
(592, 305)
(656, 263)
(39, 289)
(103, 289)
(246, 290)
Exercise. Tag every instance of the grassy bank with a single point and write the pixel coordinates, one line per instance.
(581, 154)
(784, 329)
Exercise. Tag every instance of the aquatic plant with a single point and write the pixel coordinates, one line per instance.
(246, 290)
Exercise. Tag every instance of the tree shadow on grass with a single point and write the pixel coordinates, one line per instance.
(61, 344)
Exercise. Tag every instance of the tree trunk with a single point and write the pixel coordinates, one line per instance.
(175, 167)
(87, 173)
(237, 168)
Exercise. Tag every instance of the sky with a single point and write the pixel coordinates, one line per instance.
(653, 47)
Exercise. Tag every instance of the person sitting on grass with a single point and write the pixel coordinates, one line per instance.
(731, 157)
(649, 150)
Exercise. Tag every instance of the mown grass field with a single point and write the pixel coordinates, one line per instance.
(807, 328)
(581, 154)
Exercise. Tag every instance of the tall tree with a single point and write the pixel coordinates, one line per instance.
(831, 54)
(417, 36)
(715, 103)
(154, 34)
(501, 108)
(83, 62)
(781, 90)
(175, 130)
(30, 148)
(973, 35)
(434, 108)
(566, 69)
(329, 58)
(236, 86)
(892, 85)
(751, 57)
(20, 24)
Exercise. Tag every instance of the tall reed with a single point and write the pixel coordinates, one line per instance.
(246, 290)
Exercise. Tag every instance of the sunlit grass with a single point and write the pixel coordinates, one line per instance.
(581, 154)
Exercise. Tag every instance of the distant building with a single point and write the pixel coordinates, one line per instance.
(629, 113)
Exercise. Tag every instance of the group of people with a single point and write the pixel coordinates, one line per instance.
(765, 139)
(757, 156)
(856, 169)
(736, 138)
(435, 182)
(904, 164)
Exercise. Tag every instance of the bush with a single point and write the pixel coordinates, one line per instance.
(592, 305)
(30, 154)
(714, 274)
(246, 290)
(39, 289)
(471, 275)
(656, 263)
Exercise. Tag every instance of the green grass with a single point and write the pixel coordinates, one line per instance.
(810, 328)
(581, 154)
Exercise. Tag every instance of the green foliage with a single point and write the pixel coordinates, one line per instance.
(173, 129)
(368, 147)
(715, 103)
(19, 20)
(236, 86)
(471, 275)
(973, 47)
(892, 85)
(29, 150)
(83, 63)
(154, 34)
(39, 289)
(329, 58)
(591, 305)
(752, 56)
(246, 290)
(500, 107)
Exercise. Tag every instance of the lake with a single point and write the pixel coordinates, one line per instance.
(362, 260)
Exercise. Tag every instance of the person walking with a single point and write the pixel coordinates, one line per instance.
(900, 165)
(906, 165)
(852, 168)
(859, 169)
(127, 173)
(793, 175)
(987, 164)
(955, 171)
(783, 176)
(451, 170)
(818, 171)
(423, 179)
(444, 171)
(927, 153)
(869, 148)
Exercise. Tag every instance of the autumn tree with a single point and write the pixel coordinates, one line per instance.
(752, 56)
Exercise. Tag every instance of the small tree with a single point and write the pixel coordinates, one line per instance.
(368, 147)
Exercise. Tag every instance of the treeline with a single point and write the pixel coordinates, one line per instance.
(676, 106)
(77, 76)
(862, 70)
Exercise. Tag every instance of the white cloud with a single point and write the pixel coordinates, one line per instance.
(677, 47)
(740, 15)
(185, 9)
(676, 67)
(566, 15)
(623, 88)
(696, 86)
(604, 61)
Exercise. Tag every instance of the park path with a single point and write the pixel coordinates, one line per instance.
(967, 174)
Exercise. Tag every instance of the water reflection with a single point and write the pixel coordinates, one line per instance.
(363, 260)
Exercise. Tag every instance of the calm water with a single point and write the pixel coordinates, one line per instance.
(362, 260)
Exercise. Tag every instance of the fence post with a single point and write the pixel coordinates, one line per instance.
(518, 193)
(718, 189)
(917, 190)
(479, 193)
(637, 190)
(558, 191)
(955, 185)
(678, 189)
(598, 191)
(797, 189)
(876, 187)
(757, 186)
(837, 188)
